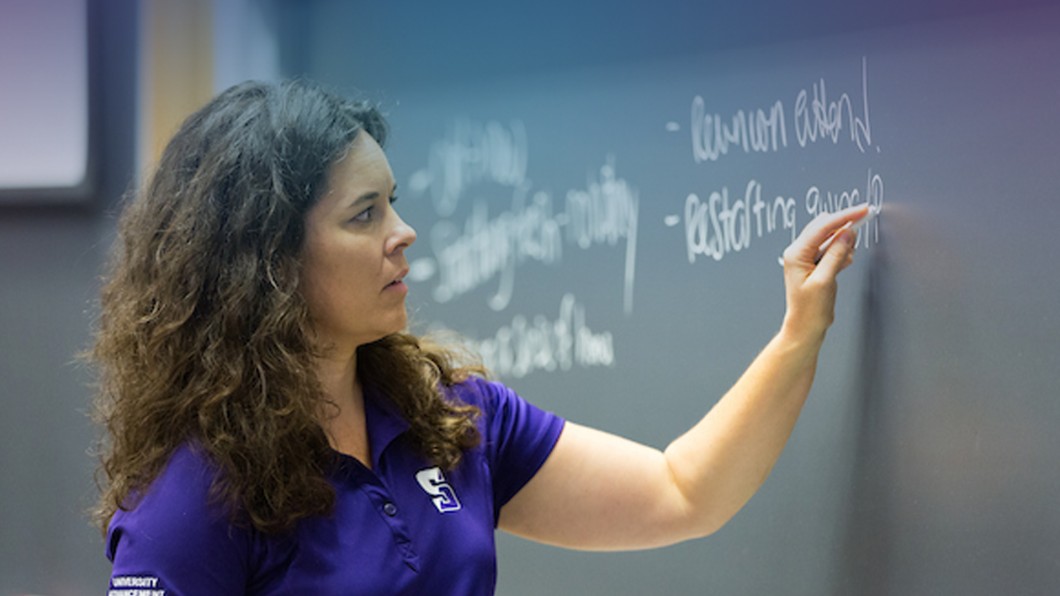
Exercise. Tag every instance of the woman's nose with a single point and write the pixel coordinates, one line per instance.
(402, 236)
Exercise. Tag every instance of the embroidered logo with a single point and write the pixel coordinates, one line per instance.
(433, 482)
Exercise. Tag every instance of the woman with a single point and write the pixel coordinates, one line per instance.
(272, 429)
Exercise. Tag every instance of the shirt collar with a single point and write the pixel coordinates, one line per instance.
(383, 420)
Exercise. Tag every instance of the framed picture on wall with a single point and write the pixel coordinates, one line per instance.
(45, 103)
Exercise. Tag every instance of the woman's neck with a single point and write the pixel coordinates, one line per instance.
(343, 418)
(338, 376)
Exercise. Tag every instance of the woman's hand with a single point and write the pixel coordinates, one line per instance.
(810, 284)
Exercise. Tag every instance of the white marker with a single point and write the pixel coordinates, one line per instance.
(853, 226)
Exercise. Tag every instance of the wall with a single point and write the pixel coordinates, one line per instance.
(50, 259)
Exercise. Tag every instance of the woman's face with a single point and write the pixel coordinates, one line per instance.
(354, 255)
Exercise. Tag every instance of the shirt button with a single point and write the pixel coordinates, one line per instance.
(390, 509)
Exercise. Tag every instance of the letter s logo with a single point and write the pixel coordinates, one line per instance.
(433, 482)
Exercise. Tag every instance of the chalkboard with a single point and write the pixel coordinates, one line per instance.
(607, 236)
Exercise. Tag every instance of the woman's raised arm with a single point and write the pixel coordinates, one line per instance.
(601, 492)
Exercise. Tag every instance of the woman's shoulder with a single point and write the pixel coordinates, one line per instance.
(517, 436)
(175, 538)
(485, 394)
(184, 481)
(176, 508)
(505, 412)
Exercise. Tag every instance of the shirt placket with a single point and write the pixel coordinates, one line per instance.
(384, 505)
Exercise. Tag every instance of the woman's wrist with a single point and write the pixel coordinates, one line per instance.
(798, 335)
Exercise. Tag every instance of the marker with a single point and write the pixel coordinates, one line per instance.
(853, 226)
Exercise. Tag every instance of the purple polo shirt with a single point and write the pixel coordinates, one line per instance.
(404, 527)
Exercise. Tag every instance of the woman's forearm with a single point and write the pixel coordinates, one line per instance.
(721, 461)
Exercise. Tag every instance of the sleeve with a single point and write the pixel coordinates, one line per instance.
(174, 541)
(517, 437)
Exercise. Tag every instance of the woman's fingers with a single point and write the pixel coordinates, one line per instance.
(838, 256)
(820, 235)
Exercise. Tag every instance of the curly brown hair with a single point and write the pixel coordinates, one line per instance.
(204, 336)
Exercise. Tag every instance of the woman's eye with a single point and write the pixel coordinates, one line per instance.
(364, 216)
(369, 213)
